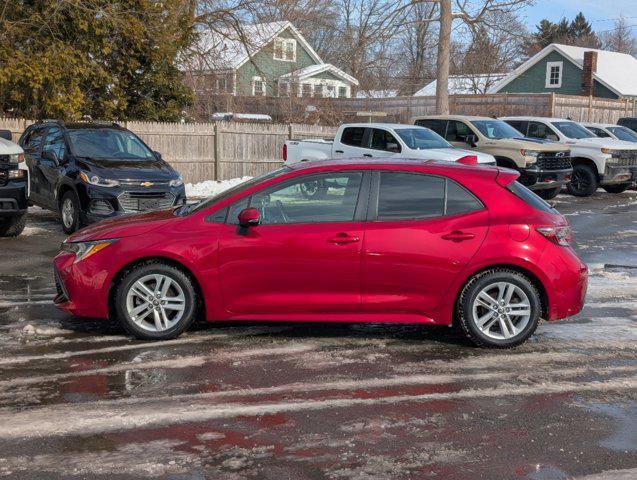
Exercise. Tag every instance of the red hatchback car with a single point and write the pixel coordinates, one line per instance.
(341, 241)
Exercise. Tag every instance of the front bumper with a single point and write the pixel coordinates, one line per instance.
(99, 203)
(614, 174)
(537, 179)
(13, 196)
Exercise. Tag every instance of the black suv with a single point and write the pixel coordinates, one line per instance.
(91, 171)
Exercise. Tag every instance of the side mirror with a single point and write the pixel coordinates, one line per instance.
(50, 155)
(249, 217)
(6, 134)
(393, 147)
(157, 155)
(471, 140)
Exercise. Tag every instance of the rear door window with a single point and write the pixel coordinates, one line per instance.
(458, 131)
(460, 200)
(353, 136)
(34, 140)
(541, 130)
(519, 125)
(438, 126)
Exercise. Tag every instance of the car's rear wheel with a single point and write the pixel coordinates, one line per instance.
(583, 181)
(155, 301)
(548, 193)
(622, 187)
(499, 308)
(70, 212)
(12, 226)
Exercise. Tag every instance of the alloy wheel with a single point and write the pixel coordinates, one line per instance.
(155, 302)
(68, 213)
(580, 181)
(501, 310)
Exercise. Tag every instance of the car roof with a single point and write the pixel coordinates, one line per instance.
(78, 125)
(600, 125)
(452, 117)
(539, 119)
(379, 125)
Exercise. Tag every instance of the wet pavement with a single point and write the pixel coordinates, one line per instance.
(78, 399)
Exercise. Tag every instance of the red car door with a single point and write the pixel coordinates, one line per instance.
(305, 255)
(423, 231)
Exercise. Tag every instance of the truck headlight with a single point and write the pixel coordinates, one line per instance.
(16, 158)
(529, 153)
(176, 182)
(83, 250)
(93, 179)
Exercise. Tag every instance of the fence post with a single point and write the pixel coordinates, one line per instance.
(552, 104)
(289, 131)
(217, 152)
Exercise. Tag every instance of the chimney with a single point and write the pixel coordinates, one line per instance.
(589, 67)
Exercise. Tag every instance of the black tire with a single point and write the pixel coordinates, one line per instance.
(483, 280)
(12, 226)
(622, 187)
(74, 223)
(583, 182)
(548, 193)
(153, 268)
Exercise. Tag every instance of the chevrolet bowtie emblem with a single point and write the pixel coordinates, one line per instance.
(147, 184)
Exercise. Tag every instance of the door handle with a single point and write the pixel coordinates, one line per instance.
(342, 238)
(458, 236)
(338, 151)
(367, 155)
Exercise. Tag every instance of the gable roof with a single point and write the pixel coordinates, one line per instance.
(459, 84)
(312, 70)
(616, 71)
(232, 48)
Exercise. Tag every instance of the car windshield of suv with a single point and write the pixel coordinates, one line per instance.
(496, 129)
(623, 133)
(422, 138)
(108, 143)
(573, 130)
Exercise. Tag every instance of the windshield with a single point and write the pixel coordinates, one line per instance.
(422, 138)
(496, 129)
(195, 207)
(108, 143)
(623, 133)
(573, 130)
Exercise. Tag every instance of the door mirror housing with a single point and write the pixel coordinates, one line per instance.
(6, 134)
(157, 155)
(249, 217)
(51, 155)
(393, 147)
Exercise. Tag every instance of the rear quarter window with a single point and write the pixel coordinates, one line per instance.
(528, 197)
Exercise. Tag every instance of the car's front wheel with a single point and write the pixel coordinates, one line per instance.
(499, 308)
(12, 226)
(70, 212)
(584, 181)
(155, 301)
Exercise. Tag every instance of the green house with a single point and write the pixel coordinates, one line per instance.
(570, 70)
(265, 59)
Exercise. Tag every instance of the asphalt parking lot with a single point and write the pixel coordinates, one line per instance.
(78, 399)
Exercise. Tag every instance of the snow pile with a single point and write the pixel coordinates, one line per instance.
(210, 188)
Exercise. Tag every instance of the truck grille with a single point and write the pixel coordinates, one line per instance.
(625, 158)
(142, 201)
(554, 161)
(4, 159)
(3, 178)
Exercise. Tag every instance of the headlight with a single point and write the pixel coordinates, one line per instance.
(16, 158)
(17, 173)
(530, 153)
(84, 250)
(93, 179)
(177, 181)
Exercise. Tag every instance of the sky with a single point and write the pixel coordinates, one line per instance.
(601, 13)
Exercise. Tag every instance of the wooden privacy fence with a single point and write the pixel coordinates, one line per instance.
(213, 151)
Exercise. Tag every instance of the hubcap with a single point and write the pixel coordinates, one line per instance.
(501, 310)
(155, 302)
(68, 213)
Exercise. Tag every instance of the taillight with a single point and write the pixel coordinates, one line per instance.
(285, 152)
(468, 160)
(558, 235)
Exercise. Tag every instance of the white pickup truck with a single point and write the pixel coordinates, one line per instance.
(605, 162)
(383, 140)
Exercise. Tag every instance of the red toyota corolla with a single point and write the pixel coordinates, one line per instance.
(341, 241)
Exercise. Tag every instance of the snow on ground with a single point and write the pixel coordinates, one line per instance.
(210, 188)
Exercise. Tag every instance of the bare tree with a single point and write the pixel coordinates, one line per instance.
(620, 38)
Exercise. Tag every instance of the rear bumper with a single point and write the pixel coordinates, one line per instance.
(567, 281)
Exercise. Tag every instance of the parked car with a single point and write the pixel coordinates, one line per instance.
(383, 140)
(14, 177)
(628, 122)
(545, 167)
(91, 171)
(605, 162)
(402, 241)
(608, 130)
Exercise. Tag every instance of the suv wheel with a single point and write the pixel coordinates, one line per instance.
(499, 308)
(548, 193)
(155, 301)
(616, 188)
(583, 181)
(70, 212)
(12, 226)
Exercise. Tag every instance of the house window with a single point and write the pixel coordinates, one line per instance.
(318, 90)
(554, 74)
(306, 90)
(220, 84)
(330, 91)
(285, 49)
(284, 89)
(342, 92)
(258, 86)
